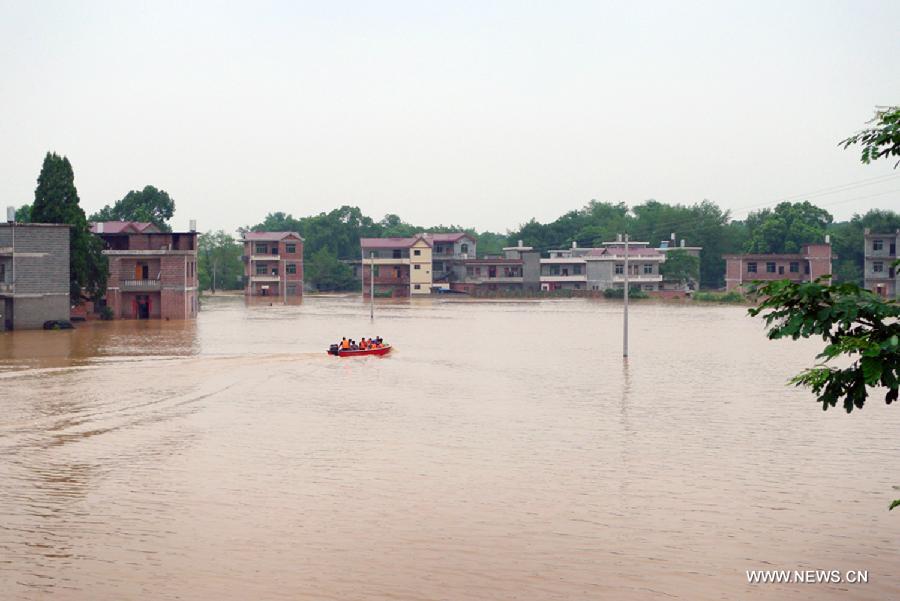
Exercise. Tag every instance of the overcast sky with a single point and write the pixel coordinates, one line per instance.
(474, 113)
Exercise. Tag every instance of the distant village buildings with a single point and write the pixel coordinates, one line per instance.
(880, 276)
(34, 274)
(813, 261)
(273, 264)
(152, 274)
(599, 269)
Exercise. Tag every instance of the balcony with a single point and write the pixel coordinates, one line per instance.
(639, 278)
(7, 287)
(546, 277)
(139, 285)
(265, 257)
(6, 251)
(265, 278)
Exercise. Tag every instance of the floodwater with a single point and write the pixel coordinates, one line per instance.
(504, 451)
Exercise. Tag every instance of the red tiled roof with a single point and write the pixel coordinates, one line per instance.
(269, 236)
(391, 242)
(452, 237)
(124, 227)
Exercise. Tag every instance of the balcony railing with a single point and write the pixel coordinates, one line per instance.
(140, 285)
(6, 250)
(7, 287)
(265, 278)
(546, 277)
(642, 277)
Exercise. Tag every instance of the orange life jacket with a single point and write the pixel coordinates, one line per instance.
(345, 344)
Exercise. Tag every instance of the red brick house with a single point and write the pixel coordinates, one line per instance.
(813, 261)
(273, 264)
(152, 274)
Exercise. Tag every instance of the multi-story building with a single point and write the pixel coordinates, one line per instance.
(273, 264)
(813, 261)
(598, 269)
(448, 254)
(401, 266)
(152, 274)
(34, 274)
(880, 275)
(517, 270)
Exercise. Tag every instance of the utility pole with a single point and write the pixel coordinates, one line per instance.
(372, 286)
(625, 312)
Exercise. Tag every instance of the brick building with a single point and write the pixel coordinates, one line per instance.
(813, 261)
(881, 277)
(273, 264)
(34, 274)
(152, 274)
(401, 266)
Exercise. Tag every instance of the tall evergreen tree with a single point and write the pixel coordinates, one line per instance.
(56, 201)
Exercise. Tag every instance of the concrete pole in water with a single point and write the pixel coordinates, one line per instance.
(372, 286)
(625, 312)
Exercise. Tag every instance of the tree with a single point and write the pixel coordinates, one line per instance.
(680, 266)
(219, 265)
(327, 273)
(786, 228)
(23, 214)
(149, 204)
(881, 140)
(56, 201)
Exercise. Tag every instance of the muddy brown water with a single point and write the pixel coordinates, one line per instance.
(504, 451)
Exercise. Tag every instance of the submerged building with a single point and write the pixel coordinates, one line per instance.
(813, 261)
(598, 269)
(273, 264)
(880, 276)
(152, 274)
(34, 274)
(396, 267)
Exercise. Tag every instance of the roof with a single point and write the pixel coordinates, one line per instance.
(124, 227)
(391, 242)
(269, 236)
(451, 237)
(640, 251)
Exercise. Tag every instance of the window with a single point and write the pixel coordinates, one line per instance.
(397, 253)
(751, 267)
(770, 267)
(292, 290)
(648, 267)
(274, 271)
(292, 268)
(417, 266)
(554, 270)
(576, 269)
(577, 286)
(877, 244)
(470, 271)
(261, 269)
(274, 249)
(418, 286)
(464, 248)
(290, 249)
(877, 267)
(806, 268)
(620, 269)
(648, 286)
(376, 271)
(795, 267)
(261, 249)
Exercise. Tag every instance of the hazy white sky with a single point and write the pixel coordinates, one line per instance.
(483, 114)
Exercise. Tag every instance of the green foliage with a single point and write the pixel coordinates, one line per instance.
(106, 313)
(633, 292)
(219, 265)
(786, 228)
(327, 273)
(149, 204)
(56, 201)
(23, 214)
(733, 297)
(882, 139)
(680, 266)
(858, 326)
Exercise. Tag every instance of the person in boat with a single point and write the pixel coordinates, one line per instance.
(363, 344)
(345, 344)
